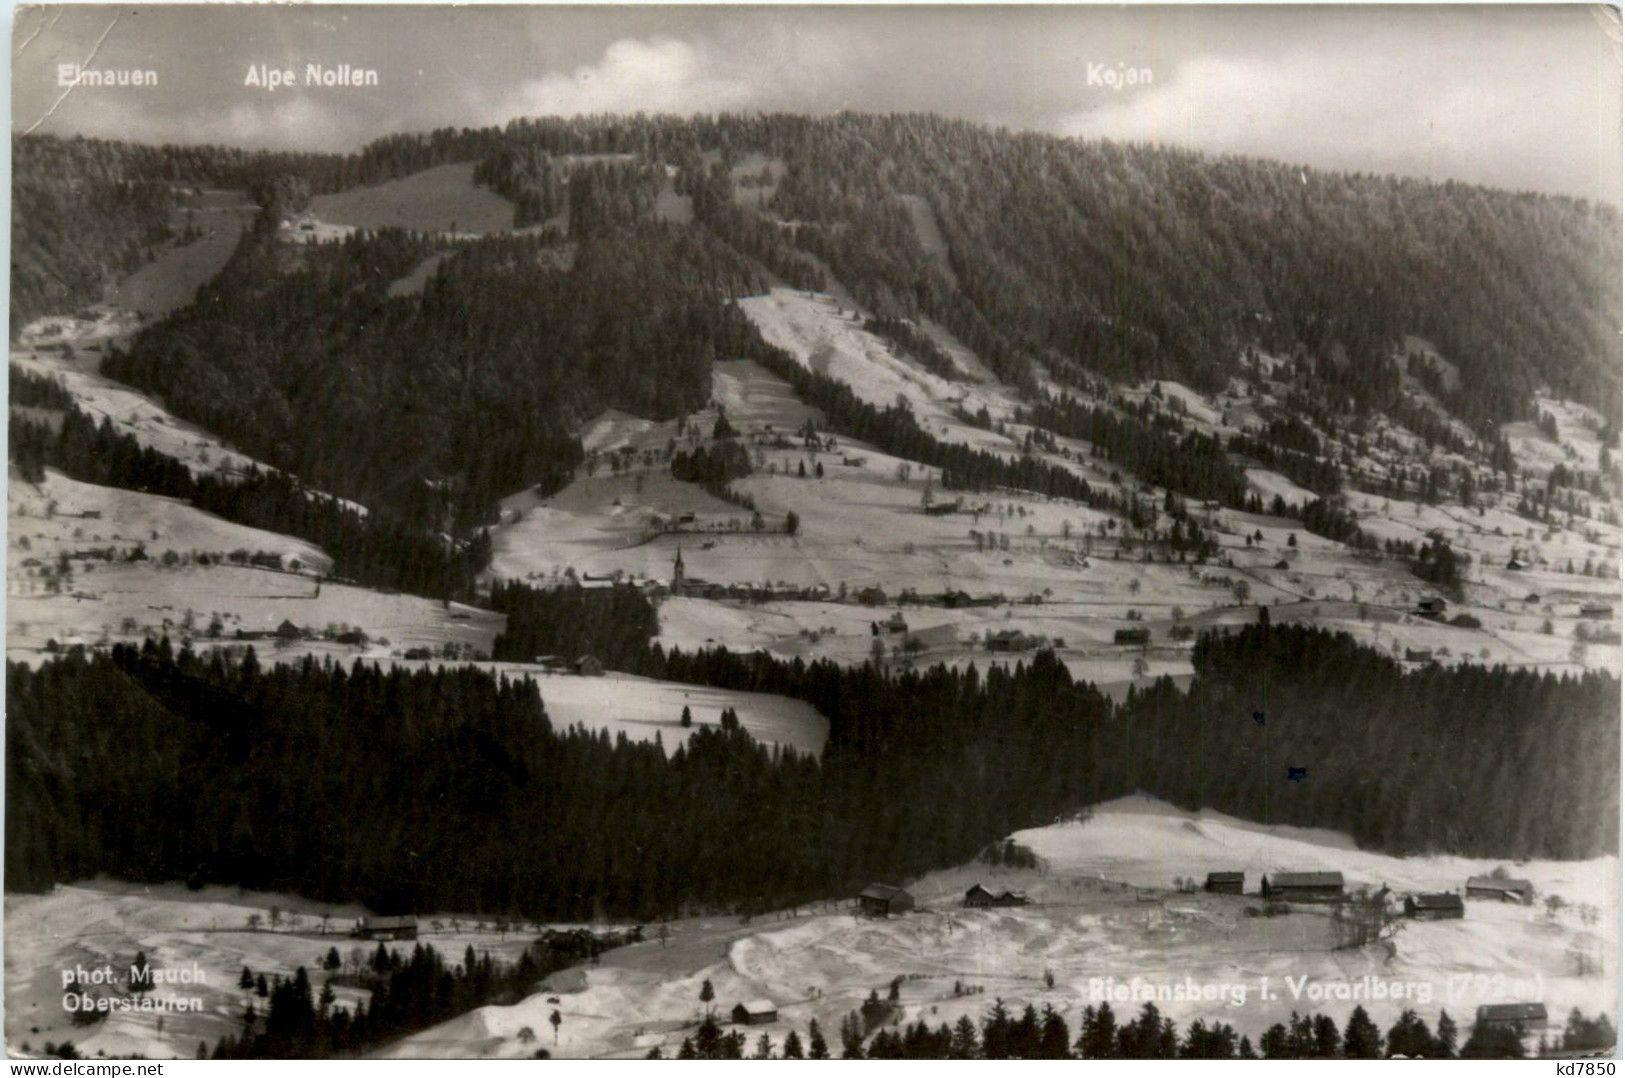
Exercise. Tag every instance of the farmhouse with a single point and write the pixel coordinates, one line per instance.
(979, 897)
(896, 623)
(1432, 608)
(1418, 655)
(289, 631)
(1007, 640)
(882, 899)
(590, 666)
(1225, 883)
(1444, 906)
(758, 1012)
(1596, 610)
(386, 928)
(1303, 886)
(1504, 890)
(1135, 637)
(553, 664)
(1529, 1017)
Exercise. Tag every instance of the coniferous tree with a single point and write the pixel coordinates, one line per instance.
(1361, 1038)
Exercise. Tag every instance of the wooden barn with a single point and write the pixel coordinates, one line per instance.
(1136, 637)
(1502, 890)
(882, 899)
(1007, 640)
(1444, 906)
(1225, 883)
(758, 1012)
(1303, 886)
(978, 897)
(386, 928)
(1433, 608)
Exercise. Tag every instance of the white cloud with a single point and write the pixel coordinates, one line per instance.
(1509, 122)
(292, 118)
(660, 74)
(743, 68)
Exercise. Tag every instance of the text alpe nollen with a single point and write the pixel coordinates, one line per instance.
(268, 78)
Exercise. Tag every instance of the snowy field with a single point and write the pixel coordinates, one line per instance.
(645, 709)
(829, 339)
(125, 602)
(1103, 907)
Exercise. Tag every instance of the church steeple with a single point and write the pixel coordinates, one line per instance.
(677, 572)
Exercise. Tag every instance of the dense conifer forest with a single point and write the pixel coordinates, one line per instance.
(440, 404)
(872, 1032)
(404, 995)
(244, 770)
(378, 549)
(1073, 255)
(84, 211)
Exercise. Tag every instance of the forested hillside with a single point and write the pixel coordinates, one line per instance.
(78, 218)
(1079, 258)
(501, 813)
(1081, 261)
(85, 211)
(1135, 261)
(448, 401)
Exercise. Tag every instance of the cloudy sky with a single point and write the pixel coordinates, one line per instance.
(1522, 97)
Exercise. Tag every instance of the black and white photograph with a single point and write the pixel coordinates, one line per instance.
(795, 532)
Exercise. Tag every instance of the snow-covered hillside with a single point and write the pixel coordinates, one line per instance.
(1103, 907)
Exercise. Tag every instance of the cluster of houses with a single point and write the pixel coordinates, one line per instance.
(1328, 887)
(1015, 640)
(884, 899)
(980, 897)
